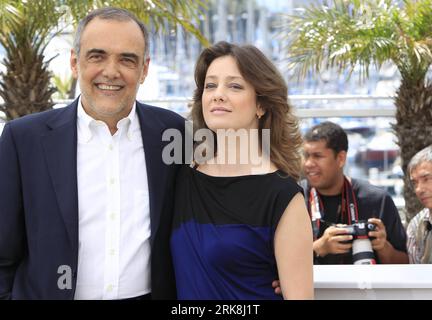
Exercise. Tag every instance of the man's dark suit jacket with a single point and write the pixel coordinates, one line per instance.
(39, 202)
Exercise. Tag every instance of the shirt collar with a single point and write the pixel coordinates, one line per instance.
(86, 122)
(427, 215)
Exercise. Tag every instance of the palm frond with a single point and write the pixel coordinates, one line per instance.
(341, 36)
(184, 13)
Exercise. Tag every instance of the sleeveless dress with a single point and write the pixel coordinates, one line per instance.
(223, 231)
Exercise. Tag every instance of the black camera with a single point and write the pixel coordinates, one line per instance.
(359, 229)
(362, 252)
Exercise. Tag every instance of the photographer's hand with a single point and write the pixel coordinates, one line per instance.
(379, 234)
(332, 241)
(384, 249)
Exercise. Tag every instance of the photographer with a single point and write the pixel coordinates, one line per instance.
(419, 229)
(335, 201)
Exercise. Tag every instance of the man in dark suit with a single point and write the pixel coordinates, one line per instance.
(85, 196)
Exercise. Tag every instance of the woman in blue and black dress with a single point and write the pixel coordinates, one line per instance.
(240, 219)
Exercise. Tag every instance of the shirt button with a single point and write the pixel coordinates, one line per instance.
(112, 181)
(112, 252)
(110, 147)
(109, 288)
(113, 216)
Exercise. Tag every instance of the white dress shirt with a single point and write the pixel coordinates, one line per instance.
(114, 213)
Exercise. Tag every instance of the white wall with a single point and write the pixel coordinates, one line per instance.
(371, 282)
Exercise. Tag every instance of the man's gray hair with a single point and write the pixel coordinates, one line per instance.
(110, 13)
(424, 155)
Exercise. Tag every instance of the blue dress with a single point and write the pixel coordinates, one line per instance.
(223, 231)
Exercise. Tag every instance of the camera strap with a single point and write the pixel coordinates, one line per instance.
(349, 207)
(315, 211)
(351, 203)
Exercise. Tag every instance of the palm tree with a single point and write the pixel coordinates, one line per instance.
(26, 28)
(344, 34)
(25, 32)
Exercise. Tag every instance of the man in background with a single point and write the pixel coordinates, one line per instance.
(419, 242)
(334, 199)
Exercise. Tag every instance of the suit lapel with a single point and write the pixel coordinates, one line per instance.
(151, 132)
(60, 149)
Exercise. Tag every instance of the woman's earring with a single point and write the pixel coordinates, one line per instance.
(259, 116)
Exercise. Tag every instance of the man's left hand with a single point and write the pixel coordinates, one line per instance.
(379, 234)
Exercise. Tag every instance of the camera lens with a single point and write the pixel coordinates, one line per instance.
(371, 226)
(362, 252)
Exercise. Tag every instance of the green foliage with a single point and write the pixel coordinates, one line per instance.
(363, 33)
(25, 86)
(63, 85)
(157, 12)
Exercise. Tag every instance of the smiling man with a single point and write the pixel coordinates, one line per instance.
(333, 198)
(110, 61)
(86, 201)
(419, 229)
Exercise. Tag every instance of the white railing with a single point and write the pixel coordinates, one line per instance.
(330, 105)
(373, 282)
